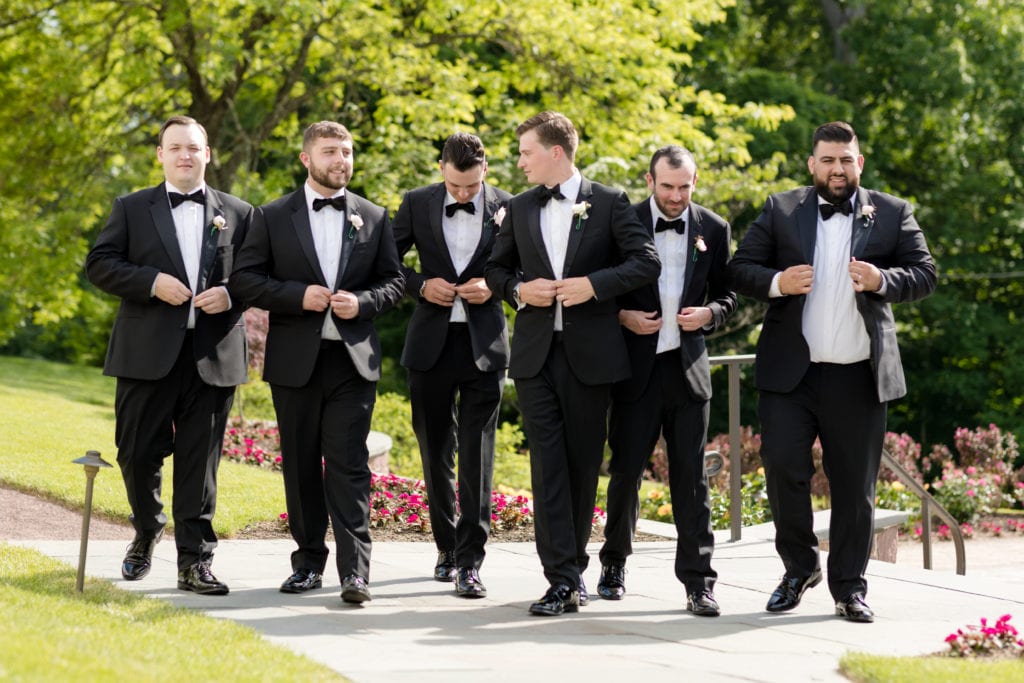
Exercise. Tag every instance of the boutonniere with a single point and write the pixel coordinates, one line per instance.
(355, 222)
(580, 212)
(698, 245)
(867, 214)
(218, 224)
(498, 216)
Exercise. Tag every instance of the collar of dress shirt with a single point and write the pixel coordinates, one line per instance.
(172, 188)
(477, 201)
(656, 214)
(822, 200)
(312, 194)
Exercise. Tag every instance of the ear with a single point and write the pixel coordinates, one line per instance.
(810, 164)
(650, 182)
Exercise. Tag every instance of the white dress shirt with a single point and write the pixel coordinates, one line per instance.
(832, 325)
(672, 250)
(328, 226)
(188, 218)
(462, 233)
(556, 220)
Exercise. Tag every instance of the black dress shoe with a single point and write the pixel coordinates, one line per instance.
(468, 583)
(790, 590)
(138, 560)
(199, 579)
(354, 589)
(854, 608)
(702, 603)
(558, 600)
(584, 595)
(612, 584)
(301, 581)
(445, 568)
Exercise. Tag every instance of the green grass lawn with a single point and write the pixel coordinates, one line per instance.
(875, 669)
(107, 634)
(53, 413)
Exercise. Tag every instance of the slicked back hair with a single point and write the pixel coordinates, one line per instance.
(552, 129)
(836, 131)
(463, 151)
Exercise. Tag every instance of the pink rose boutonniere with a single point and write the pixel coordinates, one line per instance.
(355, 222)
(218, 224)
(498, 216)
(698, 246)
(580, 212)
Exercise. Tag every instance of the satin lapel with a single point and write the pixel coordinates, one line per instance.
(862, 226)
(304, 233)
(807, 224)
(160, 210)
(694, 229)
(210, 237)
(434, 207)
(533, 227)
(576, 234)
(349, 242)
(491, 204)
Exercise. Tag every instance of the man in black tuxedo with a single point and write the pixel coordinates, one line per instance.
(322, 261)
(566, 249)
(456, 346)
(829, 260)
(669, 391)
(177, 347)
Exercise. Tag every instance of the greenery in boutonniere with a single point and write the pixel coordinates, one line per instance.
(580, 212)
(355, 222)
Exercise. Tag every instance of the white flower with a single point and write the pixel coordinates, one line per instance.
(580, 210)
(698, 244)
(356, 220)
(499, 216)
(867, 212)
(218, 224)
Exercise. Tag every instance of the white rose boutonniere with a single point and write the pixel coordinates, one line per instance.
(580, 212)
(698, 246)
(355, 222)
(499, 216)
(218, 224)
(867, 214)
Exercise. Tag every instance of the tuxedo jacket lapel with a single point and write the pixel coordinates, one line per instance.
(576, 234)
(862, 227)
(694, 229)
(807, 224)
(160, 210)
(491, 205)
(643, 212)
(210, 237)
(304, 233)
(533, 227)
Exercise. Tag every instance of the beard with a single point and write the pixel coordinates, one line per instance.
(322, 176)
(834, 196)
(669, 211)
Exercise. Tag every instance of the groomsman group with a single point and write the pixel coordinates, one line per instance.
(612, 301)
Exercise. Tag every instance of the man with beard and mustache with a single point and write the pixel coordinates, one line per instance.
(322, 261)
(829, 260)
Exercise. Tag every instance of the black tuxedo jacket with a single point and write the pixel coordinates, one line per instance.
(705, 283)
(137, 243)
(784, 235)
(418, 222)
(611, 247)
(278, 261)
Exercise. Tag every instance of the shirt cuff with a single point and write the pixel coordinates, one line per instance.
(774, 291)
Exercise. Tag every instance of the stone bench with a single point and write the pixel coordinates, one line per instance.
(379, 444)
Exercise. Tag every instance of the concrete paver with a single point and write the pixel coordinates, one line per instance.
(415, 625)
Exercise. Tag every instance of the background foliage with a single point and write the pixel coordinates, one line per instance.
(932, 86)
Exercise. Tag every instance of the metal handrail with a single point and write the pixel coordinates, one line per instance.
(927, 502)
(733, 364)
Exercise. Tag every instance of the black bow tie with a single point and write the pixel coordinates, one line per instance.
(177, 198)
(545, 193)
(679, 225)
(829, 210)
(337, 202)
(465, 206)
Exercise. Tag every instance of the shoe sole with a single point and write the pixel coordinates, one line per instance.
(215, 591)
(445, 579)
(840, 612)
(355, 597)
(611, 596)
(702, 613)
(544, 613)
(471, 594)
(141, 575)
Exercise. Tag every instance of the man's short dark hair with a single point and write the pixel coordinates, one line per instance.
(552, 129)
(675, 155)
(463, 151)
(836, 131)
(324, 129)
(180, 121)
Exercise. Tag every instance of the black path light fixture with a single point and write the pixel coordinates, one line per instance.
(92, 462)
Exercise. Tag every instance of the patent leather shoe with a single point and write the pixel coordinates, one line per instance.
(789, 591)
(702, 603)
(199, 579)
(445, 568)
(854, 608)
(138, 559)
(468, 583)
(301, 581)
(584, 595)
(559, 599)
(354, 589)
(612, 584)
